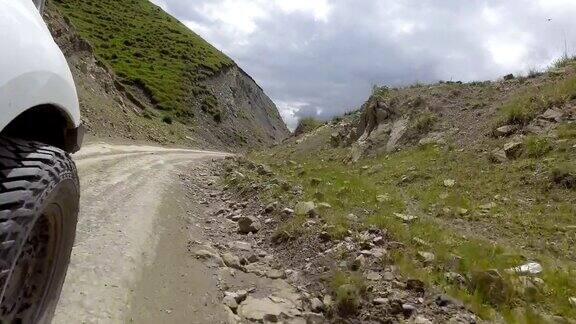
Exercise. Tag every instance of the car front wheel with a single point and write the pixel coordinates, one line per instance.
(39, 198)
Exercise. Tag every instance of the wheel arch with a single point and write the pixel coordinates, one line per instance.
(46, 123)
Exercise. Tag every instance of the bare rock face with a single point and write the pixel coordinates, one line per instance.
(375, 113)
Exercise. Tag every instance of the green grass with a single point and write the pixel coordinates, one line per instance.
(524, 107)
(306, 125)
(536, 146)
(530, 217)
(148, 48)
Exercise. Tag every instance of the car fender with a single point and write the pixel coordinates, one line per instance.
(33, 70)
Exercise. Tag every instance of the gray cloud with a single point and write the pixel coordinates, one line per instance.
(320, 58)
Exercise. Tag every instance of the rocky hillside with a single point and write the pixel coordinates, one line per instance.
(431, 202)
(143, 75)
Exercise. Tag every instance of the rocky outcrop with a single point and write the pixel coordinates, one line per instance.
(249, 117)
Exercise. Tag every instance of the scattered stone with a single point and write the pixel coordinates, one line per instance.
(444, 300)
(248, 224)
(405, 218)
(259, 309)
(388, 276)
(552, 115)
(325, 236)
(358, 262)
(528, 269)
(380, 301)
(379, 252)
(505, 130)
(498, 156)
(288, 211)
(230, 301)
(209, 257)
(352, 217)
(263, 170)
(270, 207)
(462, 211)
(231, 261)
(449, 183)
(426, 257)
(513, 149)
(378, 240)
(316, 305)
(253, 258)
(422, 320)
(324, 205)
(307, 208)
(373, 276)
(327, 301)
(487, 206)
(420, 241)
(239, 245)
(275, 274)
(455, 278)
(408, 309)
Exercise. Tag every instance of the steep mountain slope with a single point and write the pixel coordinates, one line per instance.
(470, 186)
(173, 80)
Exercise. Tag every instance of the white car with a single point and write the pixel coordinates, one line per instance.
(39, 190)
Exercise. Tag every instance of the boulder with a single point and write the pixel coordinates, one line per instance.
(498, 156)
(527, 269)
(449, 183)
(505, 130)
(514, 149)
(307, 208)
(572, 301)
(259, 309)
(270, 207)
(552, 115)
(230, 302)
(248, 224)
(316, 305)
(231, 261)
(209, 257)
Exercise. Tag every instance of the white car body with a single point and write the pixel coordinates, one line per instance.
(33, 70)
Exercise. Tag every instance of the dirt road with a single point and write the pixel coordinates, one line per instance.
(132, 205)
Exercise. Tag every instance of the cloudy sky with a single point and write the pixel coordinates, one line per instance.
(321, 57)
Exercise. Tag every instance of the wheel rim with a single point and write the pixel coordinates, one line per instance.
(30, 277)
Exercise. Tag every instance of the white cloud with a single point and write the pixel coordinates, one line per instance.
(319, 9)
(321, 57)
(289, 112)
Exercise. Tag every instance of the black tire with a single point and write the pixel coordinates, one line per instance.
(39, 198)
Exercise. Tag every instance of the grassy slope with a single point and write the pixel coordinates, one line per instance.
(495, 216)
(149, 48)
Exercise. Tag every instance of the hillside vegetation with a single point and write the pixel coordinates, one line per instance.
(466, 180)
(150, 49)
(142, 75)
